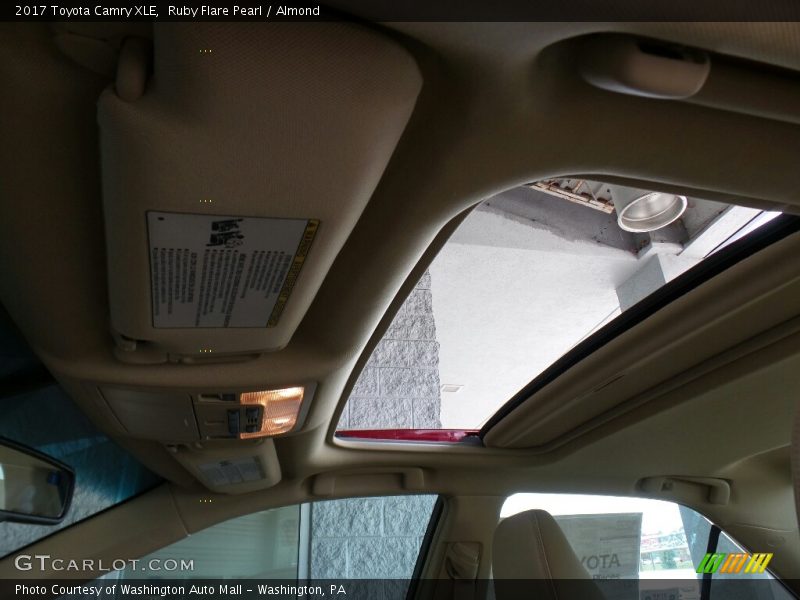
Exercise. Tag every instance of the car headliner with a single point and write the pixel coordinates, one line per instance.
(501, 104)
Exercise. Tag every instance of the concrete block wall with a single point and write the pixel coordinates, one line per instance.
(380, 538)
(368, 538)
(399, 387)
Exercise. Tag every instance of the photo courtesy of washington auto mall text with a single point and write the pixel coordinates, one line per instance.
(178, 589)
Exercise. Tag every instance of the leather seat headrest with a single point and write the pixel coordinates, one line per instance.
(531, 545)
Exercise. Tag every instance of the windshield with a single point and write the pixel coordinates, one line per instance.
(36, 412)
(527, 275)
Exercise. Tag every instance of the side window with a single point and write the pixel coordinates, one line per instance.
(368, 538)
(354, 538)
(661, 544)
(262, 545)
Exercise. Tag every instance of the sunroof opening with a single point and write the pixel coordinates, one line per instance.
(527, 275)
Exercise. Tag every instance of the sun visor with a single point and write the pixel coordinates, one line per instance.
(234, 170)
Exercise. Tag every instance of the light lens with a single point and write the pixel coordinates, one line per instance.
(651, 211)
(279, 410)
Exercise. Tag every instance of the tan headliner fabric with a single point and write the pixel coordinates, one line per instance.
(488, 101)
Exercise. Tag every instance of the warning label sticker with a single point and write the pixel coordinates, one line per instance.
(219, 271)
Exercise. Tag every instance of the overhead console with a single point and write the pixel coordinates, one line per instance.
(223, 437)
(233, 174)
(187, 416)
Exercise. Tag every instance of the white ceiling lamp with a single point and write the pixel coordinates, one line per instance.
(641, 211)
(451, 388)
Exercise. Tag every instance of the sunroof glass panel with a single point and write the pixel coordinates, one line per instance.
(528, 274)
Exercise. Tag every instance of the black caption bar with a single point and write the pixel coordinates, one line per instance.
(742, 588)
(410, 10)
